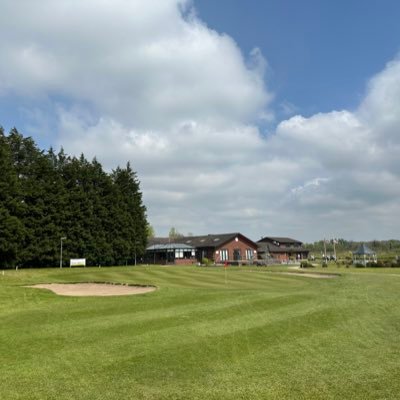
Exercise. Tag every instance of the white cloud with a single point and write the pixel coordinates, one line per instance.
(139, 62)
(357, 152)
(309, 185)
(146, 82)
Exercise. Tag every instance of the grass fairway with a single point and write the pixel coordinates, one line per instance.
(257, 335)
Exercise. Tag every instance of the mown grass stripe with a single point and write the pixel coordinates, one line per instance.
(261, 336)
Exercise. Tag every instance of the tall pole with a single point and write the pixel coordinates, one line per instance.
(61, 249)
(135, 243)
(334, 249)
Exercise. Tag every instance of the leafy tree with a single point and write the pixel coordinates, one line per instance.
(174, 234)
(151, 233)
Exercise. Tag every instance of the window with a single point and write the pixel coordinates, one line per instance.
(178, 253)
(187, 254)
(224, 255)
(249, 254)
(184, 253)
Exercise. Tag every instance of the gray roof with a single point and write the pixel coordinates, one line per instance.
(210, 240)
(283, 240)
(214, 240)
(169, 246)
(271, 248)
(364, 250)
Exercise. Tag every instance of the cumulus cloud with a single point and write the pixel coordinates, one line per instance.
(151, 83)
(141, 63)
(356, 151)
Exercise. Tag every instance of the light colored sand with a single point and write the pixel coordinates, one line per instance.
(93, 289)
(309, 275)
(316, 275)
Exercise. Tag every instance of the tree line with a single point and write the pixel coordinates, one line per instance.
(390, 246)
(46, 196)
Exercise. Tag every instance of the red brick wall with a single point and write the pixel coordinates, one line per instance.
(185, 261)
(284, 257)
(280, 256)
(240, 244)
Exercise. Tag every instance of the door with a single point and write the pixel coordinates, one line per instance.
(236, 255)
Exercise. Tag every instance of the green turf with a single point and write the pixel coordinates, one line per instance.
(251, 335)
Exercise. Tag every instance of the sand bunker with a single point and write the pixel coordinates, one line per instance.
(93, 289)
(310, 275)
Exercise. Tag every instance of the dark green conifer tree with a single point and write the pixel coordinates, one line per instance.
(39, 184)
(46, 196)
(11, 228)
(131, 215)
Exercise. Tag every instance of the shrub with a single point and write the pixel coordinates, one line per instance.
(396, 262)
(373, 265)
(340, 264)
(306, 264)
(378, 264)
(205, 261)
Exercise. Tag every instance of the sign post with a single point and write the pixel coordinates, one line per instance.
(61, 242)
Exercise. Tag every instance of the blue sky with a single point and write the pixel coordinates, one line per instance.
(321, 52)
(276, 118)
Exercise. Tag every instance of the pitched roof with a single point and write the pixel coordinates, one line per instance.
(169, 246)
(364, 250)
(214, 240)
(210, 240)
(278, 239)
(271, 248)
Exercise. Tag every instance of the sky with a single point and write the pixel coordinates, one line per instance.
(269, 118)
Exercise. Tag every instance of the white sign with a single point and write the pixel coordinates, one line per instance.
(77, 262)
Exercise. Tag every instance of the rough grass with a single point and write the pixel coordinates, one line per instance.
(253, 335)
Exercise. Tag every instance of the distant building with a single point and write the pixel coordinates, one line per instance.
(281, 249)
(232, 248)
(364, 255)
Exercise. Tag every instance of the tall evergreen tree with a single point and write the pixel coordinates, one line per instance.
(39, 186)
(11, 228)
(46, 196)
(131, 213)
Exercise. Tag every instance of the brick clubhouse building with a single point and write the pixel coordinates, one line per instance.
(232, 248)
(281, 249)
